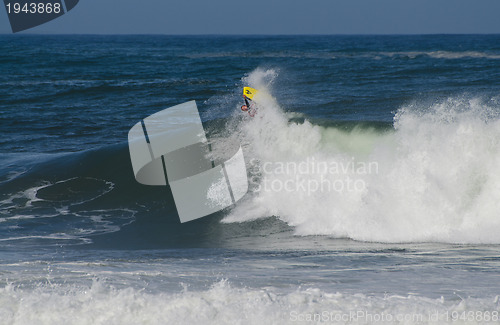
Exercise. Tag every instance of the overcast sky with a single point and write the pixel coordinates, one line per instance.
(274, 17)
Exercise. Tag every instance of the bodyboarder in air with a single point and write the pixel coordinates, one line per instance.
(249, 106)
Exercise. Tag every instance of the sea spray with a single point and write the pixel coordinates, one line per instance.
(224, 303)
(436, 177)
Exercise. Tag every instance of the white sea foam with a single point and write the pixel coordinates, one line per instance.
(436, 176)
(441, 54)
(223, 304)
(350, 55)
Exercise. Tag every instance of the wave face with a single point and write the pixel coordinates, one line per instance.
(433, 177)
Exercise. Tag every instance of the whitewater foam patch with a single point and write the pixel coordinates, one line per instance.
(58, 213)
(223, 304)
(444, 54)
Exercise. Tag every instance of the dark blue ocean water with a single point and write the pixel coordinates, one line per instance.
(80, 239)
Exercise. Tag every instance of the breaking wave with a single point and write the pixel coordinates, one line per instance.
(433, 176)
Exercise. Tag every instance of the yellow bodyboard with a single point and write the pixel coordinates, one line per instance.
(249, 92)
